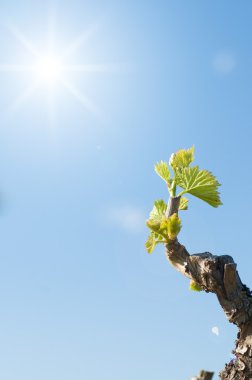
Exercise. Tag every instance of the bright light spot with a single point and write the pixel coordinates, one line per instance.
(49, 69)
(215, 330)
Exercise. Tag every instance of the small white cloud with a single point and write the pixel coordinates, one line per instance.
(224, 62)
(215, 330)
(128, 218)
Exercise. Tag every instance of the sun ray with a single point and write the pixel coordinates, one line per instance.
(80, 97)
(106, 67)
(51, 112)
(51, 32)
(21, 100)
(18, 68)
(78, 41)
(24, 41)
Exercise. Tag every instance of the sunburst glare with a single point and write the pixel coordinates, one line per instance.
(50, 69)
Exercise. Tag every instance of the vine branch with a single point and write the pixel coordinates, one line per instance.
(219, 275)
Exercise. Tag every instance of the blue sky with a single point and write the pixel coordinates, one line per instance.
(80, 297)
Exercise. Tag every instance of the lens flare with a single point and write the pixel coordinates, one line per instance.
(49, 69)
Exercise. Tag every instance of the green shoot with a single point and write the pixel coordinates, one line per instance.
(191, 180)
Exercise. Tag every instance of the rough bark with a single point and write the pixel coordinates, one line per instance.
(219, 275)
(204, 375)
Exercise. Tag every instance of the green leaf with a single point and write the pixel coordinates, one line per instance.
(161, 168)
(155, 227)
(150, 243)
(195, 286)
(152, 240)
(158, 210)
(173, 226)
(183, 204)
(200, 183)
(182, 158)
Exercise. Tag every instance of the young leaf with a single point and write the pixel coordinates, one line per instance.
(182, 158)
(155, 227)
(195, 286)
(183, 204)
(152, 240)
(158, 210)
(200, 183)
(161, 168)
(150, 243)
(173, 226)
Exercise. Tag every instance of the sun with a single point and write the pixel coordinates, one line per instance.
(50, 69)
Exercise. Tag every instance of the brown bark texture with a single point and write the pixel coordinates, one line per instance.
(204, 375)
(219, 275)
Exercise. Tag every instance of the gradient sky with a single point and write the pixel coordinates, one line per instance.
(80, 297)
